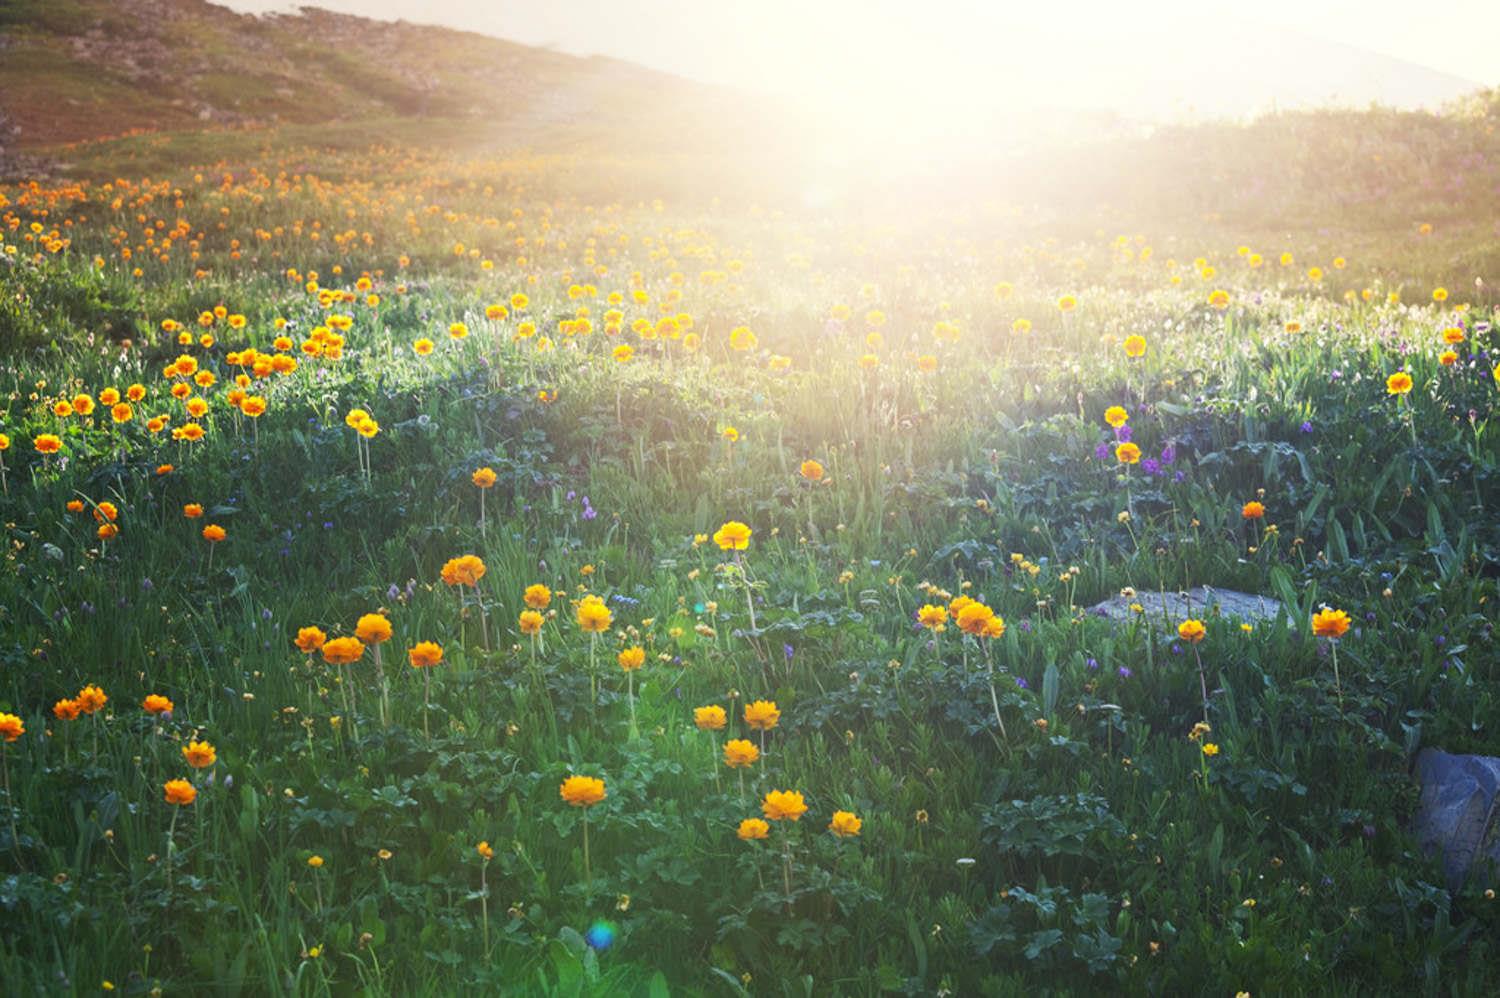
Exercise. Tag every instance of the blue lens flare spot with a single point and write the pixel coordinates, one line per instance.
(600, 935)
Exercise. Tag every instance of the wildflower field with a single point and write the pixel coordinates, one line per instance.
(426, 574)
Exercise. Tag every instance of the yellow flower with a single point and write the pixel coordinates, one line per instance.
(1219, 299)
(710, 718)
(739, 752)
(1439, 294)
(1135, 346)
(753, 828)
(812, 471)
(762, 715)
(932, 617)
(316, 862)
(1192, 631)
(484, 851)
(537, 596)
(530, 623)
(733, 536)
(1210, 749)
(1128, 453)
(845, 824)
(631, 658)
(1398, 384)
(484, 478)
(582, 791)
(1116, 416)
(783, 805)
(593, 616)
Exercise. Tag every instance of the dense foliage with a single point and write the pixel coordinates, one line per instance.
(406, 359)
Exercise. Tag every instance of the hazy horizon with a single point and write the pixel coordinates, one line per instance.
(961, 59)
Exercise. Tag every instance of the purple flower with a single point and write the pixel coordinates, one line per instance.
(1307, 427)
(1124, 672)
(1102, 451)
(1022, 683)
(1169, 454)
(1093, 664)
(1122, 433)
(788, 651)
(1150, 466)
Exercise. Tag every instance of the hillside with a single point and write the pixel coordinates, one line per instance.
(73, 70)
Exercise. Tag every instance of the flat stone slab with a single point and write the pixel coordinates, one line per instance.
(1201, 602)
(1457, 815)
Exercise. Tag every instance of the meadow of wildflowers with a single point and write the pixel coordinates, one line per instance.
(424, 578)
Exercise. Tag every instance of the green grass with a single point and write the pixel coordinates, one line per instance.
(1089, 846)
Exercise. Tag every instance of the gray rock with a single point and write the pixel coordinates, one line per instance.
(1204, 601)
(1457, 815)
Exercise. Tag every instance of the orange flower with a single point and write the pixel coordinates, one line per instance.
(974, 618)
(762, 715)
(11, 727)
(530, 623)
(213, 533)
(156, 704)
(1128, 453)
(537, 596)
(465, 570)
(108, 531)
(1253, 510)
(180, 792)
(711, 718)
(200, 755)
(485, 478)
(91, 698)
(342, 651)
(192, 510)
(845, 824)
(1398, 384)
(582, 791)
(783, 805)
(812, 471)
(426, 655)
(75, 506)
(47, 443)
(486, 853)
(310, 639)
(373, 629)
(632, 658)
(66, 710)
(1328, 623)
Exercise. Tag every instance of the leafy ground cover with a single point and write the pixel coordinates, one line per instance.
(421, 576)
